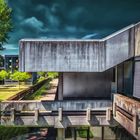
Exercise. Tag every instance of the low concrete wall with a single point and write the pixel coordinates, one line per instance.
(58, 114)
(77, 105)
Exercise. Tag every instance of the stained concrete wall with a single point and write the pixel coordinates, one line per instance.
(62, 56)
(137, 40)
(77, 55)
(119, 48)
(87, 85)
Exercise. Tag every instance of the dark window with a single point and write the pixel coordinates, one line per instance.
(125, 78)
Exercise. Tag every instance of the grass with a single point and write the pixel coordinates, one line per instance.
(39, 93)
(7, 133)
(8, 91)
(83, 133)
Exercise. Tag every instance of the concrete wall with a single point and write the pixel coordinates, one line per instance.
(119, 48)
(137, 40)
(87, 85)
(78, 105)
(62, 56)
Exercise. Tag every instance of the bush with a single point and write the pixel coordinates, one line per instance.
(83, 133)
(52, 75)
(7, 133)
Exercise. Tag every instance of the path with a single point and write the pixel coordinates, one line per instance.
(51, 93)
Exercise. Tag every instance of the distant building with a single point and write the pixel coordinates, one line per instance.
(11, 62)
(1, 62)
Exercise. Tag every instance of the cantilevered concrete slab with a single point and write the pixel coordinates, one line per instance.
(77, 55)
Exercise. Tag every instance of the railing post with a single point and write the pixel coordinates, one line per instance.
(135, 123)
(114, 109)
(60, 116)
(12, 114)
(88, 114)
(108, 114)
(36, 114)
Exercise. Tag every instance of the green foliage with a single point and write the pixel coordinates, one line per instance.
(5, 21)
(83, 133)
(3, 74)
(39, 93)
(41, 74)
(20, 76)
(41, 79)
(52, 75)
(7, 133)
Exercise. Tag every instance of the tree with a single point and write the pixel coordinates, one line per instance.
(3, 74)
(5, 21)
(42, 74)
(52, 75)
(20, 76)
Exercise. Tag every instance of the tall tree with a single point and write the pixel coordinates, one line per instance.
(3, 74)
(20, 76)
(5, 21)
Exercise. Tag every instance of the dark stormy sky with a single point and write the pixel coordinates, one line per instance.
(70, 18)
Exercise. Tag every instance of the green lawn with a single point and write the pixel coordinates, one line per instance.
(6, 92)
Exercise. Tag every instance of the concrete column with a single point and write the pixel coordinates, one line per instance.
(36, 114)
(60, 87)
(114, 109)
(88, 114)
(116, 77)
(60, 134)
(88, 135)
(102, 133)
(60, 116)
(108, 114)
(12, 114)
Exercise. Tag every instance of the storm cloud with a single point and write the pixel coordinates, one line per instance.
(71, 18)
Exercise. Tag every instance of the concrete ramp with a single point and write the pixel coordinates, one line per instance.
(79, 55)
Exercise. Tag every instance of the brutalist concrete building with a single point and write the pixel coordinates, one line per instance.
(94, 76)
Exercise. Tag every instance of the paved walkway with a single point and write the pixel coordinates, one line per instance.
(51, 93)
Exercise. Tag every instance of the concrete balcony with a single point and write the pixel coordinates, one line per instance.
(58, 114)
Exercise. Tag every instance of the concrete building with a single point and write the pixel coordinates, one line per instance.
(11, 62)
(94, 76)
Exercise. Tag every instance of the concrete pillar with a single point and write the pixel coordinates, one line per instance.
(60, 134)
(102, 133)
(88, 114)
(12, 114)
(88, 134)
(75, 134)
(108, 114)
(36, 114)
(60, 87)
(60, 115)
(114, 109)
(116, 77)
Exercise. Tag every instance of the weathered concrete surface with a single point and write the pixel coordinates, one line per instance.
(37, 113)
(52, 121)
(62, 56)
(118, 48)
(137, 39)
(55, 105)
(77, 55)
(126, 112)
(87, 85)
